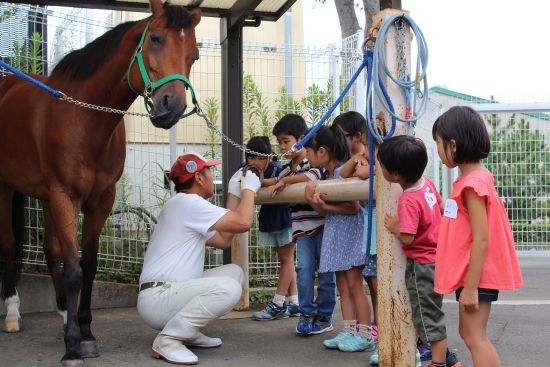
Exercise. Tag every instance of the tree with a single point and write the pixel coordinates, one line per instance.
(349, 24)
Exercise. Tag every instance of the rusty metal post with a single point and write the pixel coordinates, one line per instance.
(397, 338)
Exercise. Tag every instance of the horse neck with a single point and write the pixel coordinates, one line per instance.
(109, 86)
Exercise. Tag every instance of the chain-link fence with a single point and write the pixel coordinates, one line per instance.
(278, 79)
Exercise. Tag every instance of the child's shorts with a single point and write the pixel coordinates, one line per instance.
(484, 294)
(370, 269)
(427, 314)
(275, 238)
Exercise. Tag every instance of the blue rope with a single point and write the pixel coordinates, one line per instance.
(299, 145)
(28, 78)
(409, 86)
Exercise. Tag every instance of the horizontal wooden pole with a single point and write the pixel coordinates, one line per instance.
(334, 190)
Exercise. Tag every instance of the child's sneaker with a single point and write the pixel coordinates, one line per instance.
(333, 343)
(451, 360)
(374, 357)
(270, 312)
(321, 325)
(292, 309)
(425, 351)
(374, 329)
(304, 325)
(357, 344)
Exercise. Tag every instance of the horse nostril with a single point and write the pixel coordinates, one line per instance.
(166, 101)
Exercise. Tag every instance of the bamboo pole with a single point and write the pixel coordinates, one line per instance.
(334, 190)
(239, 256)
(397, 338)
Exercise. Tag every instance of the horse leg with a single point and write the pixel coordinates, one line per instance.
(11, 218)
(54, 259)
(63, 214)
(96, 212)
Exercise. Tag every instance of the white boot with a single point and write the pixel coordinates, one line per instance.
(202, 341)
(172, 350)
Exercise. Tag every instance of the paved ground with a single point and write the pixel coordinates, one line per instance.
(520, 329)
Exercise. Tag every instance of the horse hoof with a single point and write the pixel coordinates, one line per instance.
(88, 349)
(12, 324)
(72, 363)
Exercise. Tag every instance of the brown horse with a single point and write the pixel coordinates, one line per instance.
(71, 157)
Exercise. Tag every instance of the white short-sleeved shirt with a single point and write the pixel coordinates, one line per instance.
(177, 247)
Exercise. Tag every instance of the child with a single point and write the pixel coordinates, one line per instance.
(307, 232)
(403, 160)
(354, 127)
(476, 256)
(275, 229)
(341, 250)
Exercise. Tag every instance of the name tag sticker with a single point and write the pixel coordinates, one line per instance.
(451, 209)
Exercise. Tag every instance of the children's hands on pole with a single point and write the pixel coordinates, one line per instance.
(391, 222)
(278, 187)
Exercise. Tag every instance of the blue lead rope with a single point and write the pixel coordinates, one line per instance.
(28, 78)
(299, 145)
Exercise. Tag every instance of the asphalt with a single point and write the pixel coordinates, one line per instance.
(519, 327)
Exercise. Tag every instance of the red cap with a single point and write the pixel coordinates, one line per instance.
(187, 165)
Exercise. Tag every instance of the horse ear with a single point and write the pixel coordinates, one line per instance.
(156, 7)
(196, 12)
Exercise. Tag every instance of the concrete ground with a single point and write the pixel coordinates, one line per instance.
(519, 328)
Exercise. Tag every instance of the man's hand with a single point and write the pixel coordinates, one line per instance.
(250, 182)
(391, 222)
(234, 185)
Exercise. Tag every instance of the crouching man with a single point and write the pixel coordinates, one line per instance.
(176, 295)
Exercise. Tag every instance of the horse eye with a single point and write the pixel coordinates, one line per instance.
(155, 39)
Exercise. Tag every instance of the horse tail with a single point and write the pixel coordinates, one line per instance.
(11, 274)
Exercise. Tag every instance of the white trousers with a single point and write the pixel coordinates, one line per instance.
(179, 309)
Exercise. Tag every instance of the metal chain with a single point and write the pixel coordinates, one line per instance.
(401, 48)
(101, 108)
(199, 112)
(241, 147)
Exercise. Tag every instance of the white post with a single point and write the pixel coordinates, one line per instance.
(173, 151)
(397, 338)
(335, 72)
(360, 85)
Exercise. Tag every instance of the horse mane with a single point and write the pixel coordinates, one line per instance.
(82, 63)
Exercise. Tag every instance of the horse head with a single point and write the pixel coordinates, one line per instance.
(168, 49)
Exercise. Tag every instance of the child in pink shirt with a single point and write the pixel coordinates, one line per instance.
(476, 256)
(403, 160)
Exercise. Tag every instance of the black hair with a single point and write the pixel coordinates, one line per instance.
(351, 122)
(404, 155)
(260, 144)
(333, 140)
(290, 124)
(466, 127)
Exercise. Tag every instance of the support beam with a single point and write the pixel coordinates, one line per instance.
(232, 102)
(334, 190)
(240, 11)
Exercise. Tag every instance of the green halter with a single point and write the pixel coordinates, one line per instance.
(151, 86)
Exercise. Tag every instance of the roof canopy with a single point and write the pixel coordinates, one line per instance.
(269, 10)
